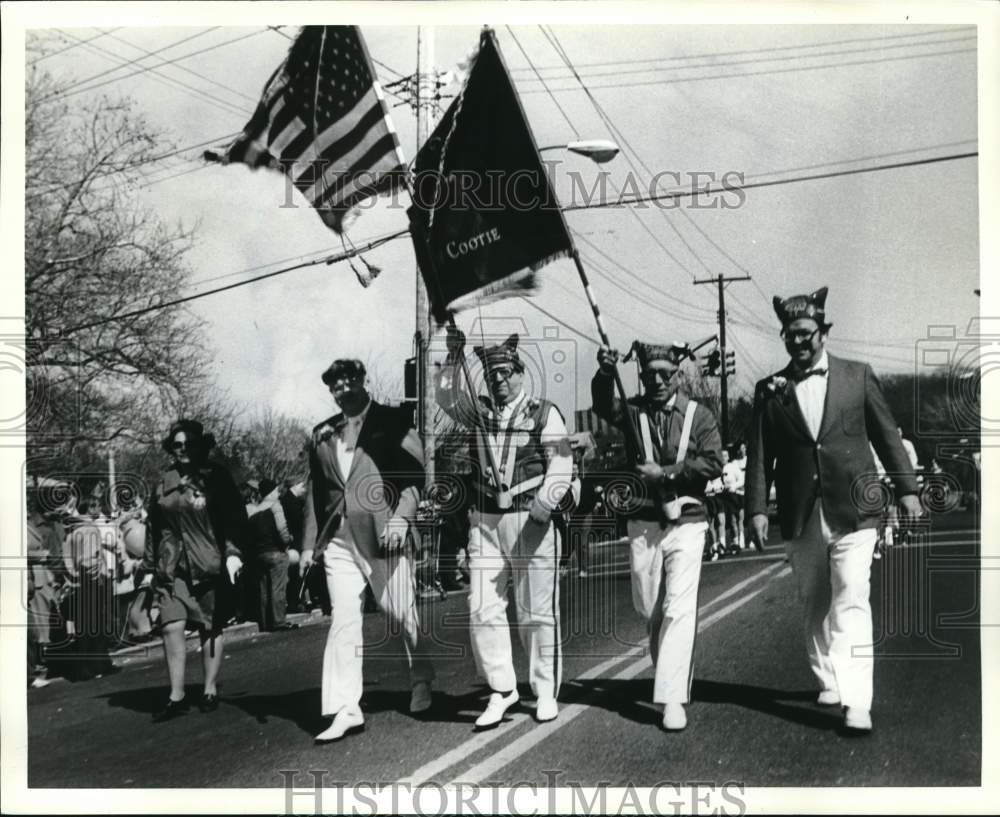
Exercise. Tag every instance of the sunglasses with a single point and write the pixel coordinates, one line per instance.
(177, 446)
(652, 375)
(798, 335)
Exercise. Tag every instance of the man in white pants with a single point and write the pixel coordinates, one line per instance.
(512, 537)
(667, 517)
(365, 475)
(812, 425)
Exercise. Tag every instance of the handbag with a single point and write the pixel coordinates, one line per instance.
(143, 613)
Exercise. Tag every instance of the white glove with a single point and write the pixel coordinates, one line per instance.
(234, 564)
(147, 580)
(306, 559)
(395, 533)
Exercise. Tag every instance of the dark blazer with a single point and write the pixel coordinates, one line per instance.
(385, 480)
(837, 466)
(704, 454)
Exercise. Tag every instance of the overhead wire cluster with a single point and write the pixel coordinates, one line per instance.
(402, 87)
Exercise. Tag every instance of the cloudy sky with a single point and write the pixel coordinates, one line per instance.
(897, 247)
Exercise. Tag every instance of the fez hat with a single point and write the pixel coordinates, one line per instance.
(803, 306)
(646, 353)
(505, 352)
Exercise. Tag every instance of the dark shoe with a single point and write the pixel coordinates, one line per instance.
(172, 709)
(208, 703)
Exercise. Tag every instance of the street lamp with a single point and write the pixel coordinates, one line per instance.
(597, 150)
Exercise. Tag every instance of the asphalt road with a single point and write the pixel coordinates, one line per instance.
(753, 718)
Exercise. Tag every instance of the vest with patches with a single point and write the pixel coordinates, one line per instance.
(522, 460)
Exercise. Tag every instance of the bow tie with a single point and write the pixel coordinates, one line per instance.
(799, 376)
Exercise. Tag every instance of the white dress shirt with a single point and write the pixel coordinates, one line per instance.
(347, 440)
(811, 393)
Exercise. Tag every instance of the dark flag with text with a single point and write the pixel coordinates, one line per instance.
(484, 217)
(323, 122)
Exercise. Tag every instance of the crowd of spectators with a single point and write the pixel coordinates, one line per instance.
(83, 559)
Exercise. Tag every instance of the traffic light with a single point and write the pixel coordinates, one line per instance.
(713, 363)
(730, 363)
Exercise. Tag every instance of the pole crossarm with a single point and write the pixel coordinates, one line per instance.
(720, 281)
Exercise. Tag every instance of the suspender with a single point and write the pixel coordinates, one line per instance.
(674, 506)
(682, 449)
(647, 437)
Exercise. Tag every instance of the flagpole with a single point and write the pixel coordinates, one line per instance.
(595, 309)
(422, 335)
(426, 86)
(630, 422)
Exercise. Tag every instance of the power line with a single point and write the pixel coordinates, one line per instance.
(825, 44)
(187, 70)
(620, 72)
(330, 260)
(642, 280)
(544, 84)
(133, 165)
(126, 62)
(730, 188)
(606, 119)
(156, 75)
(154, 68)
(621, 137)
(71, 45)
(745, 74)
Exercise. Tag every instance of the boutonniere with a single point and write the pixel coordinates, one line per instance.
(324, 433)
(524, 422)
(776, 384)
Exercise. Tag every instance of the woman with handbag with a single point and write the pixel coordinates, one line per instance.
(193, 550)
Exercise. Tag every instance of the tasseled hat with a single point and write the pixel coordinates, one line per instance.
(505, 352)
(803, 306)
(646, 353)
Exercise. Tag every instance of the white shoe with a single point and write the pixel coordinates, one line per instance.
(674, 717)
(828, 697)
(857, 719)
(420, 697)
(496, 708)
(347, 721)
(40, 681)
(546, 709)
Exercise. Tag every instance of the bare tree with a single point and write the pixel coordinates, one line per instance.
(105, 350)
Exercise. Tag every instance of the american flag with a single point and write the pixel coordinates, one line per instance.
(323, 122)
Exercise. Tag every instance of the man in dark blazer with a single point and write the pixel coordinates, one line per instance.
(812, 425)
(365, 476)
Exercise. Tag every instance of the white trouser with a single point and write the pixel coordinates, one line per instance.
(504, 547)
(834, 579)
(666, 567)
(392, 583)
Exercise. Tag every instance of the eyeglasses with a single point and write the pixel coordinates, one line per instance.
(798, 335)
(346, 383)
(652, 375)
(502, 372)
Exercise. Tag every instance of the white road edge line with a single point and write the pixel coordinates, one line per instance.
(518, 747)
(482, 739)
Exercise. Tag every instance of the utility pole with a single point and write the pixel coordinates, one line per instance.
(721, 281)
(426, 87)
